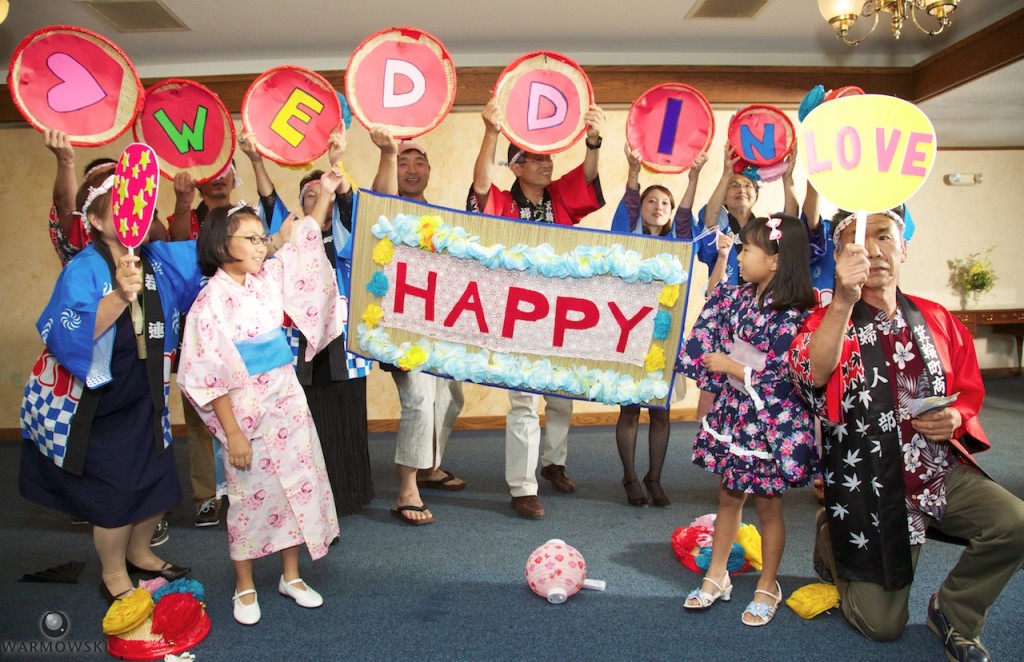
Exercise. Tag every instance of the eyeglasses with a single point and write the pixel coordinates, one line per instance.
(741, 185)
(254, 239)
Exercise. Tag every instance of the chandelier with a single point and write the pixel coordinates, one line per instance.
(842, 14)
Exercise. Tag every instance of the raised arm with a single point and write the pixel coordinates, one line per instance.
(65, 185)
(329, 183)
(337, 145)
(184, 196)
(686, 202)
(682, 224)
(723, 241)
(595, 122)
(386, 180)
(826, 345)
(791, 206)
(811, 207)
(717, 198)
(634, 164)
(483, 169)
(627, 214)
(264, 185)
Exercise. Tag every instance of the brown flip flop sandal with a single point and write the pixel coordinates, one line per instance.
(400, 513)
(441, 483)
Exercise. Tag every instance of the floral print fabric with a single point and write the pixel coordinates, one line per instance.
(761, 450)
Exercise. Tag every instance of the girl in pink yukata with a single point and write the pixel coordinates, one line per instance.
(759, 435)
(236, 367)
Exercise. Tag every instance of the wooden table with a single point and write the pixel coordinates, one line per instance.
(1001, 320)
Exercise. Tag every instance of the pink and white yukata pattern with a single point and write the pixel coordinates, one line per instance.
(284, 499)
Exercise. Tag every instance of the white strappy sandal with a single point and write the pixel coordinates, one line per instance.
(705, 600)
(762, 610)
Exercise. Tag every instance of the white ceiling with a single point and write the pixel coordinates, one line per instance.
(243, 36)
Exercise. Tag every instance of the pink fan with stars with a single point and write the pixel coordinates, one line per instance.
(133, 200)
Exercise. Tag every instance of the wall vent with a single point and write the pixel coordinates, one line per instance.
(136, 15)
(727, 8)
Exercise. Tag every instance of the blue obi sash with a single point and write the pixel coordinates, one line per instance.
(265, 352)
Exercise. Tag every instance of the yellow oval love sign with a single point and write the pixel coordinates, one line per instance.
(867, 152)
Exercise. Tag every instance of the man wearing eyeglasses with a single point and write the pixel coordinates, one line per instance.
(535, 197)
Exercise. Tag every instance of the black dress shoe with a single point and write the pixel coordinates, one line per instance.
(170, 572)
(105, 592)
(634, 494)
(658, 497)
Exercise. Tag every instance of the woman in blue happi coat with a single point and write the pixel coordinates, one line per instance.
(94, 417)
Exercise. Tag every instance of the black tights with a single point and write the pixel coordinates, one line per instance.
(625, 439)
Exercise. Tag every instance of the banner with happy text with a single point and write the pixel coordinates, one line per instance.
(539, 307)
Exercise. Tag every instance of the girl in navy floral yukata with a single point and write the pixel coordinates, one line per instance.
(758, 436)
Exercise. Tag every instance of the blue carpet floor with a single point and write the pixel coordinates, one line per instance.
(455, 589)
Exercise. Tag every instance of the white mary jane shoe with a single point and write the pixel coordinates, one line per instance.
(308, 598)
(247, 614)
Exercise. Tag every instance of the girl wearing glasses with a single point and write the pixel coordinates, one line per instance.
(236, 368)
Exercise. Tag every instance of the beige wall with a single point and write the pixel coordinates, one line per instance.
(951, 222)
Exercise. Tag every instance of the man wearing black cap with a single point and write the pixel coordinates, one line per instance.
(535, 197)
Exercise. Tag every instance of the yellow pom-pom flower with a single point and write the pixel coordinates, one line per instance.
(669, 295)
(372, 315)
(128, 612)
(384, 251)
(413, 358)
(750, 540)
(655, 359)
(813, 599)
(428, 225)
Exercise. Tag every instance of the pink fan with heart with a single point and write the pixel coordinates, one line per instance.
(133, 199)
(70, 79)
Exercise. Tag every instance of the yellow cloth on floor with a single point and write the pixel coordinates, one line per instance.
(750, 540)
(813, 599)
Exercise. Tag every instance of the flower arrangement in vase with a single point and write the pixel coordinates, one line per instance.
(972, 276)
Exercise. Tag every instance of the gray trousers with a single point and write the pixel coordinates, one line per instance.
(430, 406)
(992, 521)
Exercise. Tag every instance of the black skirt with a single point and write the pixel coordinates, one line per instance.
(339, 413)
(128, 476)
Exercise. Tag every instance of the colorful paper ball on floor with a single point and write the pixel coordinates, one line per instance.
(692, 546)
(555, 571)
(175, 624)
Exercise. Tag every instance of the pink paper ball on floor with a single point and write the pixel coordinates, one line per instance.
(555, 571)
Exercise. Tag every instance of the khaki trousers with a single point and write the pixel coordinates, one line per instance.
(200, 454)
(978, 510)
